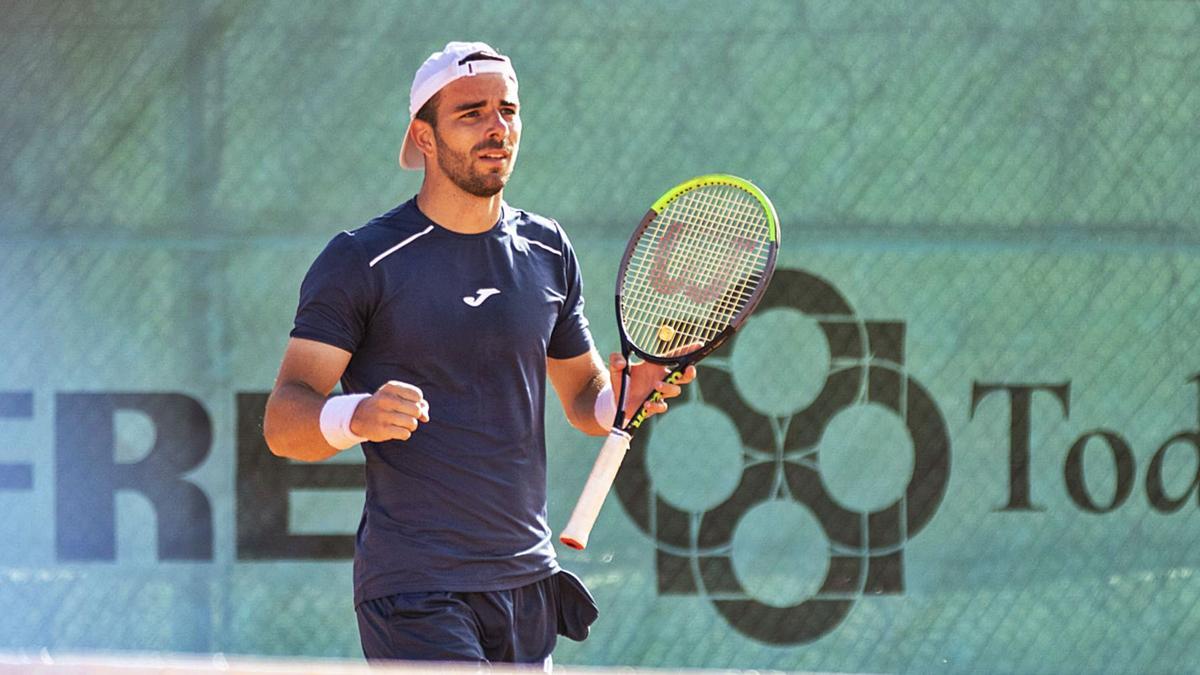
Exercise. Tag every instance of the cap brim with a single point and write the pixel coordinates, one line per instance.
(410, 155)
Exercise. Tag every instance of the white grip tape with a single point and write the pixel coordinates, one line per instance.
(605, 410)
(604, 472)
(335, 420)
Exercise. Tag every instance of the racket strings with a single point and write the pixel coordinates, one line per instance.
(708, 210)
(694, 268)
(697, 251)
(738, 208)
(711, 209)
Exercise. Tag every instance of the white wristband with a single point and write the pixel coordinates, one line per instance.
(606, 407)
(335, 420)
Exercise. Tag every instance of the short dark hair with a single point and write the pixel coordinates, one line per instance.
(428, 112)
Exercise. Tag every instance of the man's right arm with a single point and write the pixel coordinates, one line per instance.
(310, 369)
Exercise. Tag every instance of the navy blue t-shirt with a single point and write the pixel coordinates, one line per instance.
(470, 319)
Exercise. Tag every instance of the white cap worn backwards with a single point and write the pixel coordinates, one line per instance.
(457, 59)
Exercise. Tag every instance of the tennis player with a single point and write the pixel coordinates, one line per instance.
(442, 319)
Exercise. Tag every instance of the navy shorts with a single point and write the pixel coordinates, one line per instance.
(520, 625)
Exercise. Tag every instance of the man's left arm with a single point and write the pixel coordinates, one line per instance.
(580, 380)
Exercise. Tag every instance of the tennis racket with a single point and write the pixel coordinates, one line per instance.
(692, 273)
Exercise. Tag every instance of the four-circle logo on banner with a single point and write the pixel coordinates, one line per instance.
(783, 492)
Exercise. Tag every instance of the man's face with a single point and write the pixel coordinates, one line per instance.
(478, 132)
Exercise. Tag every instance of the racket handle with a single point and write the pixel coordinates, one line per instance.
(604, 472)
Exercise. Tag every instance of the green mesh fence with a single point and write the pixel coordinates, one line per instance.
(961, 436)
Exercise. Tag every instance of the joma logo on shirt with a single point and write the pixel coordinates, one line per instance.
(480, 295)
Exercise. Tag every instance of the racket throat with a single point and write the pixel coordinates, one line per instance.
(655, 397)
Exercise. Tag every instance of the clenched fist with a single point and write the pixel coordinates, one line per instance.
(393, 412)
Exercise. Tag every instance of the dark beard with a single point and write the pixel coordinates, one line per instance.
(457, 168)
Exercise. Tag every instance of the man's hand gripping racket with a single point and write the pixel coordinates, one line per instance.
(691, 275)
